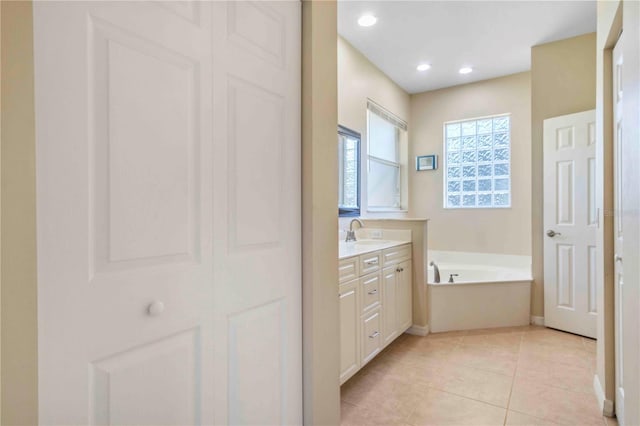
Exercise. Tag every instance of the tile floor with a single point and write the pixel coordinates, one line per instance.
(506, 376)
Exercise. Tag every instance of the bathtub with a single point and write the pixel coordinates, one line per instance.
(489, 291)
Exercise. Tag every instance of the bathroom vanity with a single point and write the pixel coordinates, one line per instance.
(375, 291)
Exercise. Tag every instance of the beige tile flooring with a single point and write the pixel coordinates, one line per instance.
(505, 376)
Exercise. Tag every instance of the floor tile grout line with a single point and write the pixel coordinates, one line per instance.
(513, 381)
(467, 397)
(535, 417)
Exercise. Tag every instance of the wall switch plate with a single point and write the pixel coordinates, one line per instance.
(376, 234)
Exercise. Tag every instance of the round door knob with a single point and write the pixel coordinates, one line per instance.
(551, 233)
(155, 308)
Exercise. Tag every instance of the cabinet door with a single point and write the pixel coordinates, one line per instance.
(404, 312)
(371, 336)
(389, 295)
(349, 336)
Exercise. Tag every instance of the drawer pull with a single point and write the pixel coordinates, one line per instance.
(374, 291)
(372, 262)
(374, 335)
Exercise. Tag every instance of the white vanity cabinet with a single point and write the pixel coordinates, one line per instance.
(349, 329)
(375, 293)
(396, 282)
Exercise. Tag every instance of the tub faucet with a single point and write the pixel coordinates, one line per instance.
(351, 234)
(451, 278)
(436, 272)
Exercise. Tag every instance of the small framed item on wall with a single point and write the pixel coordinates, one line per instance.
(426, 162)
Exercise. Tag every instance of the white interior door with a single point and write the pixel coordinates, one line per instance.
(618, 228)
(570, 219)
(168, 209)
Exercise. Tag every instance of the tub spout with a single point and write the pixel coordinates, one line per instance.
(436, 272)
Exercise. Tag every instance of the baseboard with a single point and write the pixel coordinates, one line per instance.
(418, 330)
(606, 405)
(537, 320)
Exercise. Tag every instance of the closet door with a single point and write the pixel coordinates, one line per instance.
(150, 310)
(257, 213)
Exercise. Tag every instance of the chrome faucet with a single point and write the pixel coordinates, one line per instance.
(451, 277)
(351, 234)
(436, 272)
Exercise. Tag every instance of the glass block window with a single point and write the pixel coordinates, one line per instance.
(477, 163)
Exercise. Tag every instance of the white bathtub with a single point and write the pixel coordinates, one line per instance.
(489, 291)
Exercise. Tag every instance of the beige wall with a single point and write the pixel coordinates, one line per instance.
(505, 231)
(563, 81)
(419, 233)
(18, 259)
(359, 80)
(320, 313)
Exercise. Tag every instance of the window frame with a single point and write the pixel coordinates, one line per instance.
(373, 108)
(351, 211)
(445, 188)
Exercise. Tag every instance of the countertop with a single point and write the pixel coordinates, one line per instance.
(356, 248)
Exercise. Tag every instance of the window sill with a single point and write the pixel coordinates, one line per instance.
(386, 211)
(478, 208)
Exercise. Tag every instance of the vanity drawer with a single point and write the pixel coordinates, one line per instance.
(348, 269)
(371, 336)
(370, 262)
(394, 255)
(370, 286)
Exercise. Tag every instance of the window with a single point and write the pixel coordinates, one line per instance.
(477, 163)
(387, 160)
(349, 172)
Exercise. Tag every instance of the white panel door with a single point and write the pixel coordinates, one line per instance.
(257, 216)
(570, 220)
(618, 228)
(168, 144)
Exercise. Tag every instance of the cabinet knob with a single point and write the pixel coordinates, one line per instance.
(155, 308)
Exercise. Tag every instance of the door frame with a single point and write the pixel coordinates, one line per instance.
(609, 28)
(320, 305)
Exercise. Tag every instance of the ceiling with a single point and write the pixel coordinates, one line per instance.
(492, 37)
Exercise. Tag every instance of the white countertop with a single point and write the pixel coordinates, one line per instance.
(356, 248)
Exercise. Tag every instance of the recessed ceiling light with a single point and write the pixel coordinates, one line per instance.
(423, 67)
(367, 20)
(465, 70)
